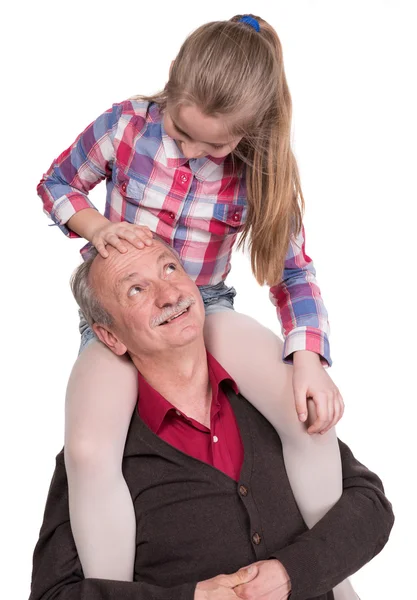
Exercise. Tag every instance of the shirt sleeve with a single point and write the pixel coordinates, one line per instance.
(64, 188)
(299, 305)
(345, 539)
(57, 572)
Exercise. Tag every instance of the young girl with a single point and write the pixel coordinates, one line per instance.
(205, 159)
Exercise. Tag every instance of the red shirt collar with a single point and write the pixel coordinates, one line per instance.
(153, 407)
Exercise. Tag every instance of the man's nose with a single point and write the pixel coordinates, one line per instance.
(166, 294)
(192, 150)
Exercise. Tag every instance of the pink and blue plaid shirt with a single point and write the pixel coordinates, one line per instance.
(198, 206)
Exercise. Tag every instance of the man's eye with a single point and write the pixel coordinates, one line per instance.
(134, 290)
(169, 268)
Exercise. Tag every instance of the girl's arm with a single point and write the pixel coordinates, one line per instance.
(305, 327)
(300, 306)
(64, 188)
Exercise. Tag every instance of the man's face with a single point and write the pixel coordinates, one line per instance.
(156, 307)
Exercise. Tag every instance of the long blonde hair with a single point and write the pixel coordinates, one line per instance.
(227, 68)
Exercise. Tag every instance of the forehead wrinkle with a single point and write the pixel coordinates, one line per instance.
(103, 272)
(166, 254)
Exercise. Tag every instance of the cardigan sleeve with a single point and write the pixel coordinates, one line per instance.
(57, 572)
(345, 539)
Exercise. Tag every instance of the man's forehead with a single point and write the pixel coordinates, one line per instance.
(120, 268)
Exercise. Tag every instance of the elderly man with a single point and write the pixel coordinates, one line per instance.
(204, 468)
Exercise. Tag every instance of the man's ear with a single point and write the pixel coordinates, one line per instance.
(109, 339)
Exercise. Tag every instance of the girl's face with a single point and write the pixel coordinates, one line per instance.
(198, 135)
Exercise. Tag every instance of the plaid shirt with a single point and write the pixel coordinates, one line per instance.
(198, 206)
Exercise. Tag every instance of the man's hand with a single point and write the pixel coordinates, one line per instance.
(271, 583)
(221, 587)
(311, 381)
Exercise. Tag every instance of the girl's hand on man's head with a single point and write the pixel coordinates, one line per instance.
(114, 234)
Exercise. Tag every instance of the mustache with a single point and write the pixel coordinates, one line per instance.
(170, 311)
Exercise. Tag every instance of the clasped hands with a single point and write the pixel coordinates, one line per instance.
(263, 580)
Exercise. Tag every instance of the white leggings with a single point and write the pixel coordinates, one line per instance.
(101, 396)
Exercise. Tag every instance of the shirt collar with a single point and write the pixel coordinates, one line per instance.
(153, 407)
(207, 167)
(217, 374)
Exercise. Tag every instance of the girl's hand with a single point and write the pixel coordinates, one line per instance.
(113, 234)
(311, 381)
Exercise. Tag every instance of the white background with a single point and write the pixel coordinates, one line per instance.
(351, 68)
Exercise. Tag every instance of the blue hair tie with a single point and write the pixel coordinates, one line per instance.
(250, 21)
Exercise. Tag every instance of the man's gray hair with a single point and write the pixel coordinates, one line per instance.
(85, 295)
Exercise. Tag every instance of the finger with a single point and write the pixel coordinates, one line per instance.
(133, 238)
(338, 409)
(145, 230)
(145, 234)
(116, 242)
(337, 412)
(331, 401)
(101, 249)
(342, 406)
(300, 397)
(240, 577)
(321, 422)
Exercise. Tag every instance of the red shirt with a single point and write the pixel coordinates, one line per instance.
(220, 446)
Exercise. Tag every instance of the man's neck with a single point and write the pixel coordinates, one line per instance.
(180, 376)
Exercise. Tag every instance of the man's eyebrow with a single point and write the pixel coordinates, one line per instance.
(189, 136)
(166, 255)
(125, 279)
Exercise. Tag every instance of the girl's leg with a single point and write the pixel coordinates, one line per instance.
(252, 355)
(101, 396)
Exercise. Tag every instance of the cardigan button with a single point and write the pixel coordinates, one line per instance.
(256, 538)
(243, 490)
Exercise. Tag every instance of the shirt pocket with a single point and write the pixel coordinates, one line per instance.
(219, 219)
(228, 218)
(131, 190)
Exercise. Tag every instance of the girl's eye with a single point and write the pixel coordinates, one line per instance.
(181, 133)
(218, 147)
(169, 268)
(134, 290)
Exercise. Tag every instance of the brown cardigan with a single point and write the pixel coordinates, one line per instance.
(194, 522)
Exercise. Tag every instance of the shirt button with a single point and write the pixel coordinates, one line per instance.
(243, 490)
(171, 215)
(184, 178)
(236, 217)
(178, 413)
(215, 438)
(256, 538)
(124, 186)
